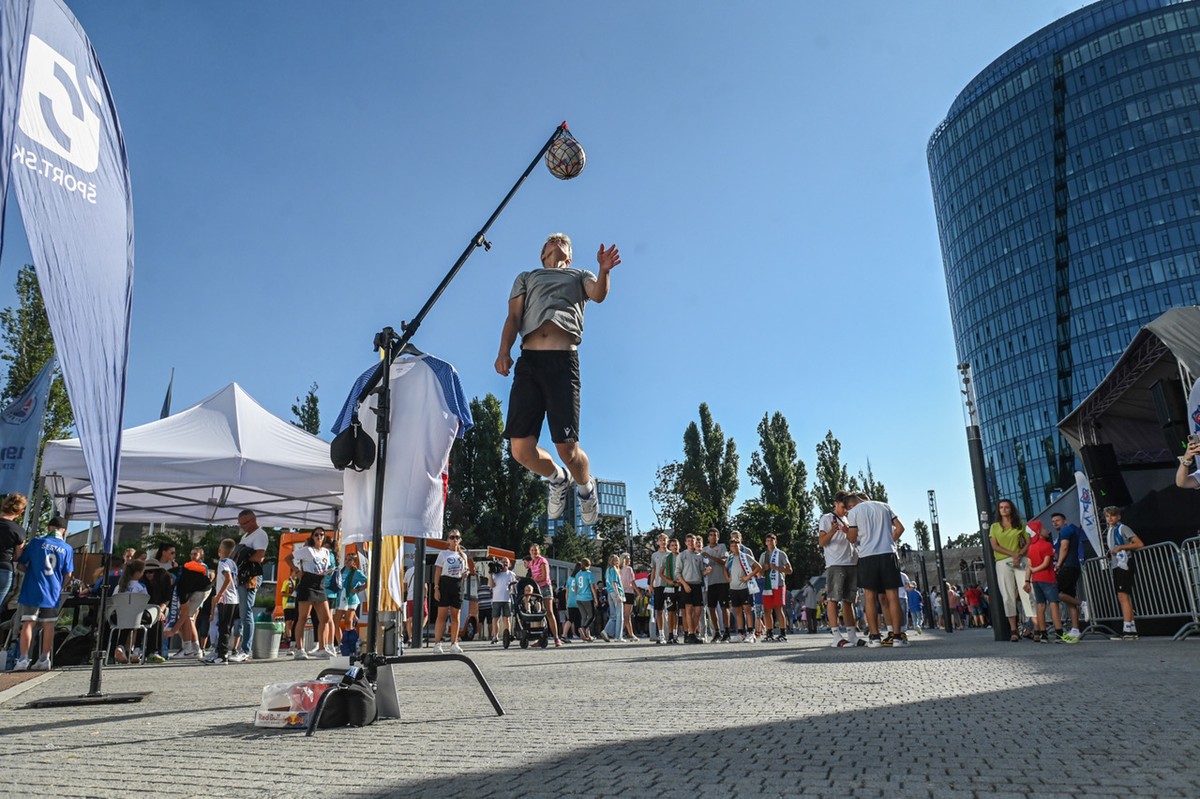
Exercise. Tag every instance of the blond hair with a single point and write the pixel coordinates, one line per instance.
(565, 239)
(14, 504)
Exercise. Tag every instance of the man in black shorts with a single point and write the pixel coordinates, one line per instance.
(717, 577)
(546, 307)
(873, 527)
(1067, 569)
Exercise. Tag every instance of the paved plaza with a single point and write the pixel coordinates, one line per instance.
(951, 716)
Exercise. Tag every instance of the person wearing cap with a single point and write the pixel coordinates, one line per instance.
(48, 564)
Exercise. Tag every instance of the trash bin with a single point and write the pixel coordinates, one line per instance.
(266, 639)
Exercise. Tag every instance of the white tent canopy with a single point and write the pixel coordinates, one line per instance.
(205, 464)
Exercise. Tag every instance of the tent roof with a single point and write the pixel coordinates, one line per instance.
(205, 464)
(1120, 411)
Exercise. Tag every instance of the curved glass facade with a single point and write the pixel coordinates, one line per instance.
(1066, 183)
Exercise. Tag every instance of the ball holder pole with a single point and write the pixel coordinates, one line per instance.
(392, 345)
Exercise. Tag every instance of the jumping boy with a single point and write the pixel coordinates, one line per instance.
(546, 307)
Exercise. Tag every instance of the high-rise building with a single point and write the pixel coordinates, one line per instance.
(612, 504)
(1066, 182)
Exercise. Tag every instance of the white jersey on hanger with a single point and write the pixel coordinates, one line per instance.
(429, 411)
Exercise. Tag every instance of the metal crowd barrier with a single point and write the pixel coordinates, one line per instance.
(1164, 587)
(1189, 552)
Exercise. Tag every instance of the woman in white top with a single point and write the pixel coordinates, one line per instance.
(312, 561)
(449, 570)
(627, 582)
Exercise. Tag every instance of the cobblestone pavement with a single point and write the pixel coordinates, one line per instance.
(951, 716)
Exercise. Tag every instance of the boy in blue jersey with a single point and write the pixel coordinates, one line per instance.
(48, 564)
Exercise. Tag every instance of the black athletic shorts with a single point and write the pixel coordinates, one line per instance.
(879, 573)
(545, 386)
(659, 597)
(449, 592)
(1067, 579)
(311, 588)
(718, 595)
(1123, 581)
(575, 617)
(739, 597)
(695, 597)
(630, 598)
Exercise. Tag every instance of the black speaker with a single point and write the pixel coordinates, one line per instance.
(1108, 486)
(1170, 408)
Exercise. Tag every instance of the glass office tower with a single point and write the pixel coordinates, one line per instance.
(1066, 183)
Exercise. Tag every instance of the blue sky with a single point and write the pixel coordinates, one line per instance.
(305, 173)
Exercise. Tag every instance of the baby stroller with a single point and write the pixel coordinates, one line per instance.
(530, 623)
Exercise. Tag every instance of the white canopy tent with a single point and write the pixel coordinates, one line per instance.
(205, 464)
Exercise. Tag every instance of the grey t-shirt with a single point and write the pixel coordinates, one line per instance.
(657, 561)
(553, 295)
(691, 566)
(716, 557)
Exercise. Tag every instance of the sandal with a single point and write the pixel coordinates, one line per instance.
(1014, 638)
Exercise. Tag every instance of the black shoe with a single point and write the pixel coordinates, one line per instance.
(725, 637)
(860, 642)
(782, 639)
(769, 637)
(889, 641)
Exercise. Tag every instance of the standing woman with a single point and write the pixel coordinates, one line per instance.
(12, 540)
(585, 598)
(1009, 545)
(312, 562)
(449, 570)
(616, 600)
(627, 582)
(193, 587)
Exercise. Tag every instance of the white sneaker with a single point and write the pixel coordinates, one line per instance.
(589, 506)
(238, 657)
(214, 660)
(557, 500)
(734, 638)
(299, 654)
(838, 643)
(439, 649)
(322, 654)
(43, 664)
(456, 649)
(749, 639)
(22, 664)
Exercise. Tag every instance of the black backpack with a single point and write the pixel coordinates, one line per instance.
(350, 703)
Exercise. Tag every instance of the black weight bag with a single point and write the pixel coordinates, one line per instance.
(350, 703)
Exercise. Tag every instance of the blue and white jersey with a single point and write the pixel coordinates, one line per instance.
(429, 411)
(47, 560)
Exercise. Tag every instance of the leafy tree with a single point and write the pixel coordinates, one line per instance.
(870, 486)
(921, 531)
(492, 499)
(26, 344)
(569, 545)
(784, 498)
(708, 479)
(666, 498)
(831, 474)
(964, 540)
(307, 412)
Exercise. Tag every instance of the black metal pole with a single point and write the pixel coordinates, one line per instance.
(418, 636)
(941, 561)
(385, 342)
(999, 621)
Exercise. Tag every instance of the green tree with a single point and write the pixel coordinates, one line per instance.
(26, 343)
(921, 531)
(784, 497)
(307, 412)
(666, 498)
(831, 474)
(569, 545)
(964, 540)
(708, 479)
(870, 486)
(492, 499)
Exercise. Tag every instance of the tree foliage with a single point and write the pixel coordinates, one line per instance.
(921, 531)
(308, 412)
(492, 499)
(964, 540)
(831, 474)
(708, 478)
(27, 344)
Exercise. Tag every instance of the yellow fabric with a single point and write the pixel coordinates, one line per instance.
(1007, 537)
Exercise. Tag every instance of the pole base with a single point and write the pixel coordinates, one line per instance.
(90, 699)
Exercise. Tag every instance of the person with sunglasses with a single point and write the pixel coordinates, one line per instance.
(449, 570)
(312, 561)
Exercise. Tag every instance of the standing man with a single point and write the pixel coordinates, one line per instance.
(841, 573)
(248, 555)
(502, 611)
(546, 307)
(742, 568)
(873, 526)
(539, 572)
(1122, 542)
(691, 580)
(658, 585)
(776, 567)
(809, 599)
(1068, 567)
(48, 564)
(717, 577)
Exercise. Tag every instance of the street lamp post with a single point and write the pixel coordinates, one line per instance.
(941, 561)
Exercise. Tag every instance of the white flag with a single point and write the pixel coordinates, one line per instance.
(1087, 511)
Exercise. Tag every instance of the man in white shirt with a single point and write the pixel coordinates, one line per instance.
(873, 526)
(841, 574)
(254, 539)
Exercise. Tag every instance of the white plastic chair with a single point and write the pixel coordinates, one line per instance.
(130, 612)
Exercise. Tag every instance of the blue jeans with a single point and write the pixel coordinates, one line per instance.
(6, 581)
(245, 620)
(616, 616)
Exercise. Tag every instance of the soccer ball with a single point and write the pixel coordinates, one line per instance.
(565, 158)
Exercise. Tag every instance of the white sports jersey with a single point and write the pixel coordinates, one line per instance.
(428, 412)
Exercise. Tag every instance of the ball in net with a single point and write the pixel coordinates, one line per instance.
(565, 158)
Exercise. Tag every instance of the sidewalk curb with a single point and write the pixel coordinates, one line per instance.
(12, 693)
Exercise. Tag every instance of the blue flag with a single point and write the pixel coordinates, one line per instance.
(14, 33)
(21, 432)
(166, 408)
(71, 177)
